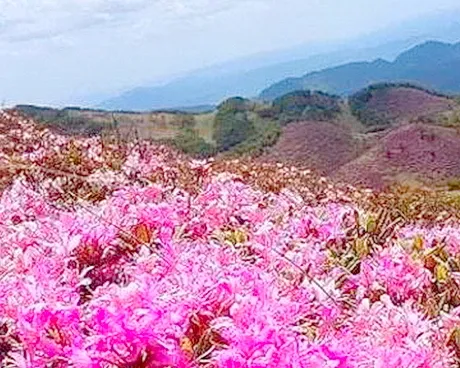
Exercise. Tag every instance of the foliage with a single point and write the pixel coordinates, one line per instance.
(453, 184)
(450, 119)
(183, 120)
(131, 255)
(235, 104)
(266, 135)
(306, 105)
(359, 107)
(63, 120)
(190, 142)
(267, 112)
(231, 124)
(242, 128)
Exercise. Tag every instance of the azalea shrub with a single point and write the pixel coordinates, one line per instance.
(130, 255)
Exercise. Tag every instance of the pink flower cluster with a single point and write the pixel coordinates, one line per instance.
(226, 276)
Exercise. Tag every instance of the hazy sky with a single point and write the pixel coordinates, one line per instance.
(57, 51)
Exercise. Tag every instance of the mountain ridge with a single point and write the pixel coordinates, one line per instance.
(432, 64)
(248, 75)
(206, 88)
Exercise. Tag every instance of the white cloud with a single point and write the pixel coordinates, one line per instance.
(23, 20)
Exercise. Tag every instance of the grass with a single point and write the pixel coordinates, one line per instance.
(188, 132)
(451, 119)
(204, 125)
(266, 134)
(130, 125)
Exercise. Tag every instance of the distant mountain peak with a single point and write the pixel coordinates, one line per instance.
(381, 61)
(247, 77)
(432, 64)
(429, 50)
(432, 43)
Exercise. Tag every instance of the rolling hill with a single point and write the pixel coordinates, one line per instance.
(383, 134)
(386, 104)
(406, 139)
(432, 64)
(319, 145)
(154, 125)
(412, 153)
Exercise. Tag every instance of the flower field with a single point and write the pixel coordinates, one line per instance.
(133, 256)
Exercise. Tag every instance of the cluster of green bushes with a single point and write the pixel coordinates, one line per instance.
(453, 184)
(451, 119)
(245, 127)
(236, 104)
(190, 142)
(267, 112)
(306, 105)
(63, 120)
(231, 124)
(183, 121)
(358, 103)
(266, 136)
(236, 131)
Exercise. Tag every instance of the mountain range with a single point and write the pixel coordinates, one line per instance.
(248, 76)
(432, 64)
(209, 87)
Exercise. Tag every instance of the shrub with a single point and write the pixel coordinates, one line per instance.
(66, 124)
(189, 142)
(236, 104)
(63, 121)
(267, 113)
(266, 136)
(453, 184)
(231, 128)
(183, 120)
(306, 105)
